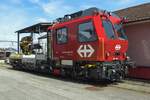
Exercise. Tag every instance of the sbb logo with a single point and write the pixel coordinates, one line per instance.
(118, 47)
(85, 51)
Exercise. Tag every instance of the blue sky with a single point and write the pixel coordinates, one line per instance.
(16, 14)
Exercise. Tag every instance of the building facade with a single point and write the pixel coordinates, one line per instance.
(137, 29)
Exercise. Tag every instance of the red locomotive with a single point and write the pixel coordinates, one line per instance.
(86, 44)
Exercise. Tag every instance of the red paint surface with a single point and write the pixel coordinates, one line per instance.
(101, 46)
(140, 72)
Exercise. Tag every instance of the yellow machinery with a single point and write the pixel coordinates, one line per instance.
(25, 45)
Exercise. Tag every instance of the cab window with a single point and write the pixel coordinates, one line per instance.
(109, 29)
(86, 32)
(120, 31)
(61, 35)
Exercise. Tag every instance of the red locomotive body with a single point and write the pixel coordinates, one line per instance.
(101, 48)
(92, 43)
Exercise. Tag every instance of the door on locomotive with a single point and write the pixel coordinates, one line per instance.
(78, 39)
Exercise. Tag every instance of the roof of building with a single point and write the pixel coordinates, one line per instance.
(36, 28)
(43, 37)
(135, 13)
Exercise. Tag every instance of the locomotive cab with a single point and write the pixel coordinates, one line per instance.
(116, 42)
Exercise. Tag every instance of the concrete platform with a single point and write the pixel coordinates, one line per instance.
(2, 61)
(131, 85)
(19, 85)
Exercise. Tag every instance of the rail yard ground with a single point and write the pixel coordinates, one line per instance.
(20, 85)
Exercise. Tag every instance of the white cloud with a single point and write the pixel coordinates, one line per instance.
(41, 20)
(10, 21)
(54, 8)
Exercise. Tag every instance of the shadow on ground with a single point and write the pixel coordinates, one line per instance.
(94, 83)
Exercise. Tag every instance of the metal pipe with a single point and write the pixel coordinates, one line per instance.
(18, 38)
(48, 54)
(32, 40)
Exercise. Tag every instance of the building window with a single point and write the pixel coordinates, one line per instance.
(61, 35)
(86, 32)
